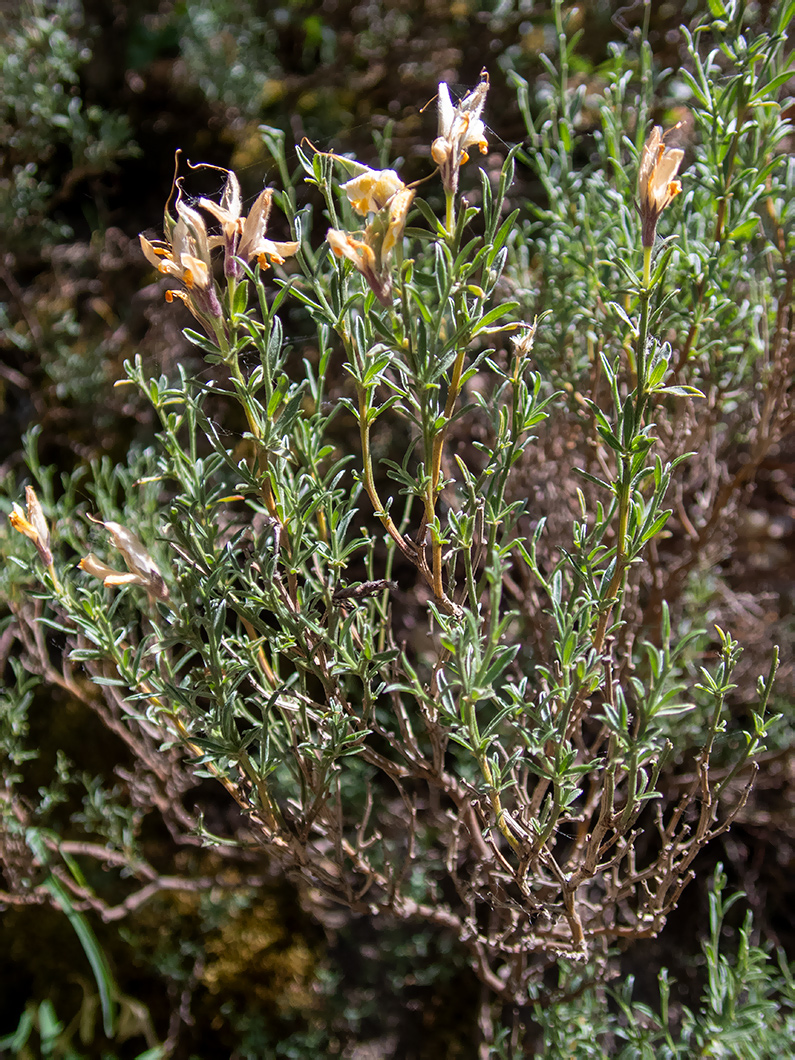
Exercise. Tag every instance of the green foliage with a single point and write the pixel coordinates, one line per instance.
(747, 1008)
(232, 49)
(40, 1033)
(731, 222)
(403, 577)
(42, 112)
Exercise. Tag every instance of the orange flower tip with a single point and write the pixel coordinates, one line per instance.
(19, 522)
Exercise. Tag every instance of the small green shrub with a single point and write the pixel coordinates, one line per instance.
(413, 593)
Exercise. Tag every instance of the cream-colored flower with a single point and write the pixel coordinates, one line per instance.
(245, 237)
(187, 259)
(34, 526)
(372, 189)
(253, 243)
(523, 342)
(108, 575)
(228, 210)
(460, 127)
(657, 186)
(362, 256)
(141, 568)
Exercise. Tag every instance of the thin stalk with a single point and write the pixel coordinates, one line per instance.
(552, 823)
(388, 566)
(469, 573)
(449, 213)
(55, 582)
(626, 461)
(449, 407)
(754, 741)
(436, 468)
(624, 491)
(620, 561)
(369, 481)
(261, 788)
(266, 488)
(485, 769)
(632, 790)
(233, 362)
(643, 336)
(510, 450)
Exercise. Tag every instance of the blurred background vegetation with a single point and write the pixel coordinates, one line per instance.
(97, 96)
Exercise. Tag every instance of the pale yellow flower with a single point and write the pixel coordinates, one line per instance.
(34, 525)
(657, 186)
(361, 255)
(228, 211)
(460, 127)
(372, 189)
(108, 575)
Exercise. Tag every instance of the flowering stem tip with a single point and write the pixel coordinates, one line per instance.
(657, 186)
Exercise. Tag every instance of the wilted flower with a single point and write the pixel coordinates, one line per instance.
(396, 220)
(245, 237)
(355, 250)
(460, 127)
(372, 255)
(657, 186)
(141, 568)
(523, 342)
(34, 526)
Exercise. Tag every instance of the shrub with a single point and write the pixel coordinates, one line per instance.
(429, 698)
